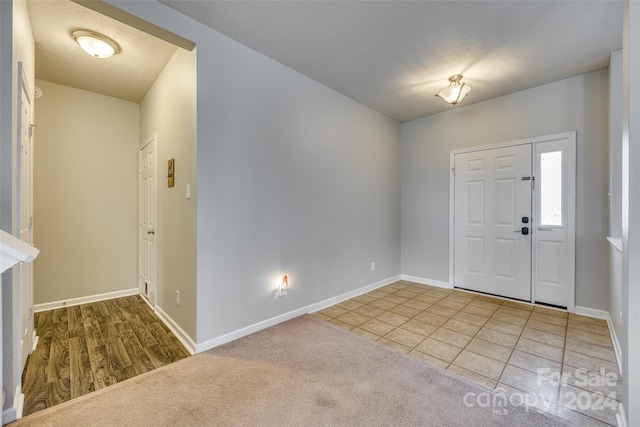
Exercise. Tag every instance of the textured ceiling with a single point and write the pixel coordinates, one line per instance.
(127, 75)
(394, 56)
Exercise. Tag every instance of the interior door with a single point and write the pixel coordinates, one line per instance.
(147, 222)
(492, 199)
(25, 295)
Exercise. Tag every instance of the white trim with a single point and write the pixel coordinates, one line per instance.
(604, 315)
(84, 300)
(19, 404)
(591, 312)
(423, 281)
(616, 344)
(14, 250)
(234, 335)
(621, 417)
(452, 218)
(179, 333)
(14, 412)
(534, 140)
(149, 140)
(9, 415)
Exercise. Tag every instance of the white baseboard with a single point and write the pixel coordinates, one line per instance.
(591, 312)
(601, 314)
(14, 412)
(182, 336)
(231, 336)
(84, 300)
(9, 415)
(423, 281)
(19, 405)
(616, 344)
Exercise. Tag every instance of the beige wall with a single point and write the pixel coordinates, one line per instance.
(85, 193)
(169, 110)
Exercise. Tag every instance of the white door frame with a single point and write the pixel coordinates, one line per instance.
(571, 201)
(151, 140)
(23, 295)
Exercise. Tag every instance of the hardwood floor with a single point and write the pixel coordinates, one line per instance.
(91, 346)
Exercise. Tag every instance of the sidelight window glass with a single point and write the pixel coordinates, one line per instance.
(550, 181)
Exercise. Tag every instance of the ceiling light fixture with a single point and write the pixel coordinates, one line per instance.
(95, 44)
(456, 90)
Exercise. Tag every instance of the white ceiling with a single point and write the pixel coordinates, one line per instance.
(394, 56)
(127, 75)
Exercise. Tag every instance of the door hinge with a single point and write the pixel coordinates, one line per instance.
(31, 222)
(533, 182)
(453, 171)
(31, 130)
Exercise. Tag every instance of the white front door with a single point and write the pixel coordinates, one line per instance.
(147, 221)
(25, 295)
(498, 194)
(554, 250)
(492, 213)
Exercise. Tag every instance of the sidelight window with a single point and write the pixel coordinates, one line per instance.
(550, 187)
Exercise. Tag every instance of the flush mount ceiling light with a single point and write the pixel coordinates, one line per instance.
(95, 44)
(456, 90)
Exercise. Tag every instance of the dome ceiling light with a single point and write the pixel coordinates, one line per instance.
(95, 44)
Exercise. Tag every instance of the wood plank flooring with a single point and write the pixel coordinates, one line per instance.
(91, 346)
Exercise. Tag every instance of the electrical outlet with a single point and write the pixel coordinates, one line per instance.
(178, 298)
(373, 266)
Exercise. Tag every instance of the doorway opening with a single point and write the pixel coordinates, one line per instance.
(90, 140)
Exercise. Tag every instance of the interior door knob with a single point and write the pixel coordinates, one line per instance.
(151, 232)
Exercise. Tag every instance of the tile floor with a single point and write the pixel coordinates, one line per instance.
(560, 362)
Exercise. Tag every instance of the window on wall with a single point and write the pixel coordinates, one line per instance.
(550, 181)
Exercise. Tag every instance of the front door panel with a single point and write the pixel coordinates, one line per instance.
(492, 244)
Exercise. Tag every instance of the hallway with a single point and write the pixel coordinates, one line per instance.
(87, 347)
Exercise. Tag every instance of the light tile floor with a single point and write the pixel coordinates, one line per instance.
(561, 363)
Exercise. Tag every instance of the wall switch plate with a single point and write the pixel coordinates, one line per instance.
(373, 266)
(178, 298)
(188, 191)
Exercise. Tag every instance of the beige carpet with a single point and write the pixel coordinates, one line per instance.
(304, 372)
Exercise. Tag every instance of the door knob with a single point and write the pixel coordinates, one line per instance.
(523, 230)
(151, 232)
